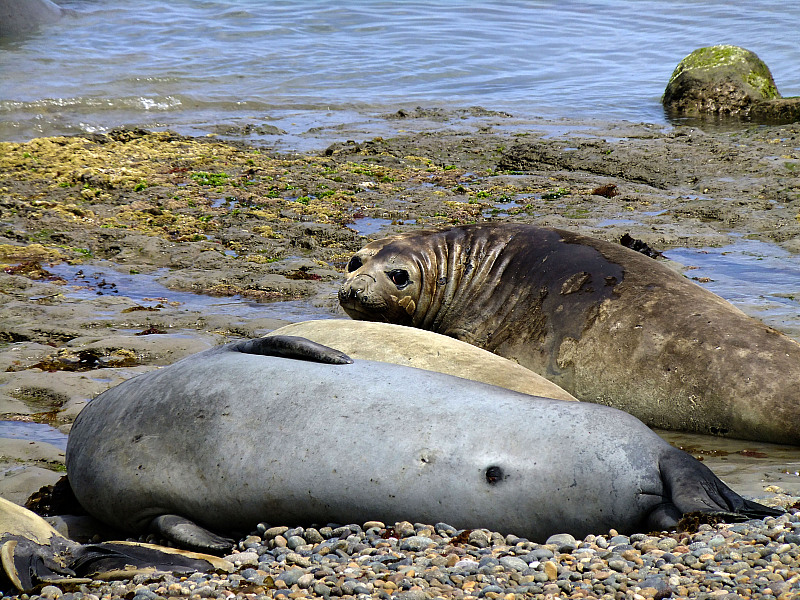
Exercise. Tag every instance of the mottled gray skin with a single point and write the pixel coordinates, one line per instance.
(607, 324)
(231, 437)
(20, 16)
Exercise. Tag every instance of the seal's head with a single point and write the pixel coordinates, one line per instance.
(384, 283)
(429, 278)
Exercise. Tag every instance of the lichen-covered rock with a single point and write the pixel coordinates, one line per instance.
(726, 80)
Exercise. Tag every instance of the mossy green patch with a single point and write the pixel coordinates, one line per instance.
(205, 178)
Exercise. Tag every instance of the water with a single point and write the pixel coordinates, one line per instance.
(761, 279)
(102, 278)
(303, 66)
(34, 432)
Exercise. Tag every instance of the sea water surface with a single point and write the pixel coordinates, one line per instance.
(197, 66)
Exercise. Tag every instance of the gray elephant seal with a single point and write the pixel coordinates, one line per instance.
(20, 16)
(233, 436)
(605, 323)
(32, 553)
(422, 349)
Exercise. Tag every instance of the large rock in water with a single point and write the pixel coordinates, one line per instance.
(727, 80)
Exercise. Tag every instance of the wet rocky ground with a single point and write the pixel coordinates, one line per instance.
(125, 252)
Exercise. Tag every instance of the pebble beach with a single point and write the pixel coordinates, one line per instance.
(405, 561)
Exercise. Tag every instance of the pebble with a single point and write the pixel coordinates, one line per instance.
(417, 561)
(564, 542)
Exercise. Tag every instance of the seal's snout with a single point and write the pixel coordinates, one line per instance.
(348, 296)
(355, 288)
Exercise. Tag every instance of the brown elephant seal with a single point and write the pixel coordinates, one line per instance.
(32, 553)
(422, 349)
(605, 323)
(285, 430)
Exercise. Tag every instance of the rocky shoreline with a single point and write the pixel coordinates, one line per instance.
(105, 239)
(405, 561)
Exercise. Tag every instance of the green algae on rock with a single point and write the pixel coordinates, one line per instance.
(727, 80)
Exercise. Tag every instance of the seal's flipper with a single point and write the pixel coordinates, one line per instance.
(290, 346)
(664, 517)
(691, 486)
(188, 534)
(107, 559)
(28, 564)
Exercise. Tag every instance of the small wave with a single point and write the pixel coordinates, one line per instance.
(91, 104)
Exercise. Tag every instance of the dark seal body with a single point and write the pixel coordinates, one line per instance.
(607, 324)
(228, 438)
(21, 16)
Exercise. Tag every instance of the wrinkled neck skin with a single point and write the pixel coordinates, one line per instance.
(454, 299)
(512, 291)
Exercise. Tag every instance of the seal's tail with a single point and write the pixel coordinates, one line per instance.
(690, 486)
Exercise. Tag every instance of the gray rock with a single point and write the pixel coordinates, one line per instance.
(659, 583)
(291, 576)
(488, 561)
(563, 541)
(312, 536)
(411, 595)
(479, 538)
(539, 554)
(466, 566)
(667, 544)
(619, 540)
(618, 564)
(495, 589)
(243, 559)
(670, 558)
(792, 538)
(51, 592)
(272, 532)
(513, 563)
(416, 543)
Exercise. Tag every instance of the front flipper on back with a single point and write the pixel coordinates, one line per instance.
(290, 346)
(690, 486)
(188, 534)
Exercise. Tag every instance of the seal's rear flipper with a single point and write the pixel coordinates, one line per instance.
(290, 346)
(28, 565)
(691, 486)
(188, 534)
(109, 560)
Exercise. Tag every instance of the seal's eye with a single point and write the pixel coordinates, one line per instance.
(354, 264)
(399, 277)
